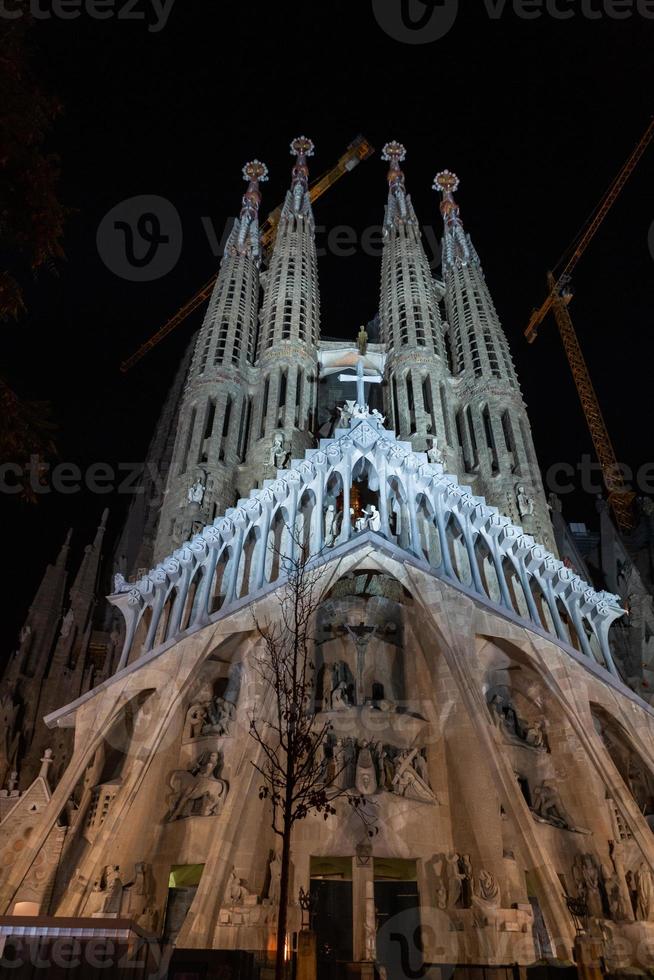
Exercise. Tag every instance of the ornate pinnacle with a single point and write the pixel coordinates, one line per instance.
(446, 182)
(302, 146)
(255, 170)
(393, 152)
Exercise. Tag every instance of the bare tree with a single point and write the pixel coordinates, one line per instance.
(296, 778)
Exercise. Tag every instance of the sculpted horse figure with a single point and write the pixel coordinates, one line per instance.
(198, 790)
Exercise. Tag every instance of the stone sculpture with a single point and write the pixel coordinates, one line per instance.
(197, 791)
(279, 454)
(548, 808)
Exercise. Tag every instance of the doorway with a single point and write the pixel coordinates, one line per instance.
(331, 910)
(182, 885)
(397, 902)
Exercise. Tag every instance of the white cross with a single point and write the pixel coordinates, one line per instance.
(361, 380)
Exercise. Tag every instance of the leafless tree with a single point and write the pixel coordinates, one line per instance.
(296, 778)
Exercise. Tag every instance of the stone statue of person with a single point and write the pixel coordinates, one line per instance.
(275, 878)
(644, 893)
(113, 889)
(434, 454)
(524, 501)
(195, 493)
(279, 455)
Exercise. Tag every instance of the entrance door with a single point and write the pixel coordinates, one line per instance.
(399, 942)
(331, 908)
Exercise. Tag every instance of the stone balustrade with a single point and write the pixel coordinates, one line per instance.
(417, 506)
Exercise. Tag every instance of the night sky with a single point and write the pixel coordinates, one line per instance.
(535, 116)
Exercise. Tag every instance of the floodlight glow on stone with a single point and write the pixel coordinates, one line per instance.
(255, 170)
(446, 181)
(302, 146)
(393, 151)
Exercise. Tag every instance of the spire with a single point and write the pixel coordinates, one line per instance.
(84, 587)
(284, 401)
(40, 628)
(410, 318)
(399, 210)
(213, 422)
(299, 202)
(457, 247)
(244, 237)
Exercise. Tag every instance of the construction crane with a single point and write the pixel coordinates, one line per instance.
(558, 299)
(358, 150)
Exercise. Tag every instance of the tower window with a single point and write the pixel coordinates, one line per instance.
(298, 396)
(490, 439)
(187, 445)
(428, 403)
(264, 408)
(244, 431)
(281, 400)
(226, 420)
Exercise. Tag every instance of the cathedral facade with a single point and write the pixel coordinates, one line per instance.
(467, 675)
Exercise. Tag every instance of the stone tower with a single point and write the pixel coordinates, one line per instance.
(486, 409)
(213, 424)
(284, 400)
(411, 324)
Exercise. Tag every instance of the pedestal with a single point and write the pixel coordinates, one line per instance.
(306, 955)
(589, 952)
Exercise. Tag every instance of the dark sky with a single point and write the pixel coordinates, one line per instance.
(536, 116)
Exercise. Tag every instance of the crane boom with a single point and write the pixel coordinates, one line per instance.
(620, 498)
(590, 231)
(358, 150)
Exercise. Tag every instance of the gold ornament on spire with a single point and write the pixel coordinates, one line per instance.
(446, 182)
(255, 170)
(302, 146)
(393, 152)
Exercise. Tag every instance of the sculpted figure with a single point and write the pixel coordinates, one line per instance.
(330, 520)
(366, 776)
(236, 893)
(340, 697)
(67, 623)
(547, 806)
(613, 894)
(454, 879)
(275, 879)
(644, 893)
(279, 455)
(219, 715)
(196, 718)
(113, 889)
(407, 782)
(195, 493)
(434, 454)
(489, 890)
(197, 791)
(590, 877)
(524, 501)
(372, 518)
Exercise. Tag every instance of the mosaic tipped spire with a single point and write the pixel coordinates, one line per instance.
(399, 208)
(457, 247)
(302, 148)
(247, 240)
